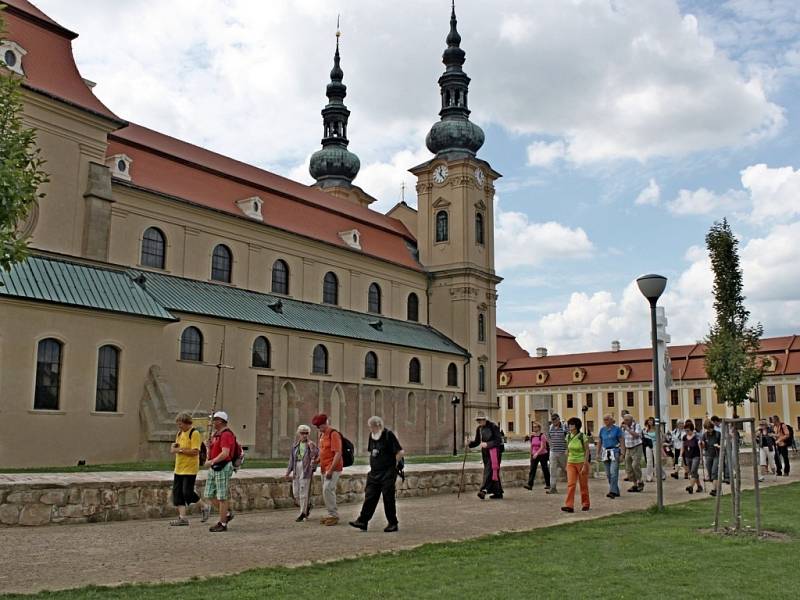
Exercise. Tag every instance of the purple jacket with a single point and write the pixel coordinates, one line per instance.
(309, 460)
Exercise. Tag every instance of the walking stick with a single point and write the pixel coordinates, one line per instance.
(463, 467)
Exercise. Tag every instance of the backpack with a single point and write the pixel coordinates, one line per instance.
(582, 437)
(237, 456)
(348, 451)
(203, 456)
(790, 439)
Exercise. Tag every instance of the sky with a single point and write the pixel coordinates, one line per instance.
(623, 129)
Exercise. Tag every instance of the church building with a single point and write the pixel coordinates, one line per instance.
(166, 277)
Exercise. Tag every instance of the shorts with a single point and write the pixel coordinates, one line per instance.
(218, 482)
(183, 493)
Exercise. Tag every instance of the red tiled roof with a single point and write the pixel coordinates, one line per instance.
(601, 367)
(49, 65)
(170, 166)
(507, 347)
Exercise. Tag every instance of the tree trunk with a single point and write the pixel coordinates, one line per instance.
(736, 472)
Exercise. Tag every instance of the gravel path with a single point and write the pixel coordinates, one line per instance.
(57, 557)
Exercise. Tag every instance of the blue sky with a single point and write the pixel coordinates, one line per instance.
(689, 107)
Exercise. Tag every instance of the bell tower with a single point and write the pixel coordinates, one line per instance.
(455, 231)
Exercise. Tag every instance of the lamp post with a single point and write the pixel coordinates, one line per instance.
(455, 402)
(652, 286)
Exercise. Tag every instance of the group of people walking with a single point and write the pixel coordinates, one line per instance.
(306, 455)
(563, 448)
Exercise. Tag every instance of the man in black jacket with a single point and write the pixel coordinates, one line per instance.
(489, 438)
(385, 461)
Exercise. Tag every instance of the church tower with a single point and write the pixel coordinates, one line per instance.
(455, 231)
(334, 167)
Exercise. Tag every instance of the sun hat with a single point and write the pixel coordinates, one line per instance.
(304, 429)
(481, 416)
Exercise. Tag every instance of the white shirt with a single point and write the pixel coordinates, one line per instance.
(630, 440)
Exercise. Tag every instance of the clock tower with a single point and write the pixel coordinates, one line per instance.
(455, 233)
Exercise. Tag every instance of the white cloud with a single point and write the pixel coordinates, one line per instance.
(703, 202)
(658, 87)
(774, 192)
(519, 242)
(248, 79)
(651, 195)
(589, 322)
(544, 154)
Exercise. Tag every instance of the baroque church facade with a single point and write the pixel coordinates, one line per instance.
(165, 277)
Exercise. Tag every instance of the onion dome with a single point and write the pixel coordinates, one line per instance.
(454, 133)
(334, 164)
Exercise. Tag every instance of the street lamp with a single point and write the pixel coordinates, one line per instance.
(652, 286)
(455, 402)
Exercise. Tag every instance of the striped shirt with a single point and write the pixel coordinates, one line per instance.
(557, 438)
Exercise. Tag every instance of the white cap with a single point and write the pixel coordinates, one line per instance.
(221, 414)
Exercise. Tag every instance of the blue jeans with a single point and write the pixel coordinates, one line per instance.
(612, 474)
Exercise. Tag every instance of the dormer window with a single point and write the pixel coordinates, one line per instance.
(120, 165)
(11, 54)
(352, 238)
(251, 207)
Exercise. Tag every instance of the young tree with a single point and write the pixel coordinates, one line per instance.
(21, 172)
(732, 345)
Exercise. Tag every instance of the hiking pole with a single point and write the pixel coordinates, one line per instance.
(463, 467)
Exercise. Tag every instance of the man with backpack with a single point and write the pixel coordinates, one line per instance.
(188, 448)
(222, 453)
(331, 464)
(385, 462)
(784, 435)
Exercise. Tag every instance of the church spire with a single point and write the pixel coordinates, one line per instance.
(455, 133)
(334, 164)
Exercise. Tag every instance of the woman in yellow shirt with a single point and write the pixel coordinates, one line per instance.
(187, 463)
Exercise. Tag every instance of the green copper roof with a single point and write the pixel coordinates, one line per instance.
(59, 282)
(201, 298)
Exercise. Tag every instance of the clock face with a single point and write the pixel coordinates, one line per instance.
(479, 176)
(440, 173)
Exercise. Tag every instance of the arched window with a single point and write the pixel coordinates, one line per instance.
(192, 344)
(262, 352)
(320, 362)
(441, 226)
(414, 371)
(412, 312)
(479, 228)
(154, 246)
(107, 379)
(280, 277)
(481, 378)
(221, 261)
(371, 366)
(330, 289)
(481, 327)
(452, 375)
(374, 298)
(48, 375)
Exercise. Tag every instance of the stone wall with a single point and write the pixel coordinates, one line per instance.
(89, 498)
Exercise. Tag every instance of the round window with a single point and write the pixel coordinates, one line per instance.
(121, 166)
(10, 58)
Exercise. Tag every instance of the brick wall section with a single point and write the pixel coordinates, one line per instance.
(31, 500)
(424, 424)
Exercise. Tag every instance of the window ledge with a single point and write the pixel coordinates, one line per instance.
(46, 411)
(261, 368)
(106, 413)
(320, 374)
(189, 362)
(417, 383)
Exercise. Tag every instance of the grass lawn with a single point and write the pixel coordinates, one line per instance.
(635, 555)
(250, 463)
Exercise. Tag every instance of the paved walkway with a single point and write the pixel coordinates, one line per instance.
(60, 557)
